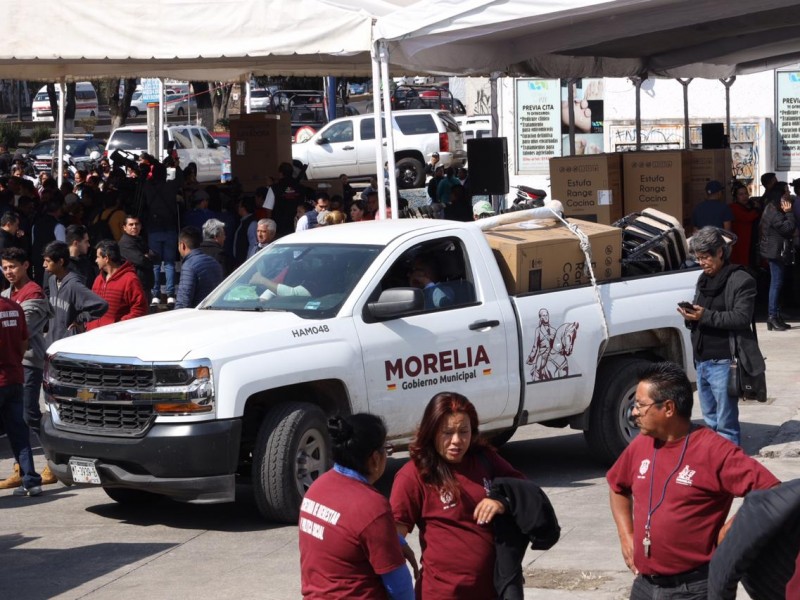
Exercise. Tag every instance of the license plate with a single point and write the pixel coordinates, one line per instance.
(84, 471)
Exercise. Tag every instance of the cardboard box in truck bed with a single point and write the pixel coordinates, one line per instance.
(545, 255)
(589, 187)
(657, 180)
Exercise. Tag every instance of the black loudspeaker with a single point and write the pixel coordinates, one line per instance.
(713, 135)
(488, 165)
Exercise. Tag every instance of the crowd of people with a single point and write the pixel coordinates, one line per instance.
(766, 230)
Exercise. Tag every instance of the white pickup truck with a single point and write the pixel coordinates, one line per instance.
(187, 404)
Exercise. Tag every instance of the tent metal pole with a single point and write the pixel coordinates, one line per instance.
(571, 112)
(495, 126)
(247, 95)
(687, 142)
(637, 82)
(728, 83)
(161, 108)
(376, 100)
(387, 104)
(62, 93)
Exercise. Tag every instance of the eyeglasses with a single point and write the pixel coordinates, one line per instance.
(388, 449)
(643, 408)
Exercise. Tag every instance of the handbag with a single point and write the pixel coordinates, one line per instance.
(788, 252)
(742, 384)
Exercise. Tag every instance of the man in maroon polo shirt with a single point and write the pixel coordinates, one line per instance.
(672, 489)
(13, 343)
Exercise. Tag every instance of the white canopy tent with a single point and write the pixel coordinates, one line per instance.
(592, 38)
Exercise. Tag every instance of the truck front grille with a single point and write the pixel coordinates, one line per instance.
(103, 376)
(111, 419)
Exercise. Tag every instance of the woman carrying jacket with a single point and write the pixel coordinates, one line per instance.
(777, 225)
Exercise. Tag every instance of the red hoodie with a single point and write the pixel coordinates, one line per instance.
(124, 294)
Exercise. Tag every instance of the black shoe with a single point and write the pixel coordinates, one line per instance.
(780, 320)
(774, 323)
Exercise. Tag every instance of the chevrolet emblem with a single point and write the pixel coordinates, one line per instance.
(86, 395)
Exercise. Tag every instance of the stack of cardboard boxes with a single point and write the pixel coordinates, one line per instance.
(605, 187)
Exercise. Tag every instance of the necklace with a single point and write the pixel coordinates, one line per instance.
(646, 542)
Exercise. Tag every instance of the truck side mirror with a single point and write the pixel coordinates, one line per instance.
(396, 302)
(323, 140)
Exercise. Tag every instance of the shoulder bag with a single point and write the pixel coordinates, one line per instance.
(742, 384)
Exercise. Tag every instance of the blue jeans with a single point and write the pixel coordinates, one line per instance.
(644, 590)
(776, 268)
(11, 409)
(720, 411)
(165, 243)
(31, 391)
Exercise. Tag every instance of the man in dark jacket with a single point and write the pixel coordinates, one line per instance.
(289, 194)
(74, 305)
(200, 273)
(162, 228)
(133, 248)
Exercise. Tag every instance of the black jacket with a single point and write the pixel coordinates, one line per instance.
(529, 518)
(775, 227)
(761, 547)
(217, 252)
(134, 249)
(740, 302)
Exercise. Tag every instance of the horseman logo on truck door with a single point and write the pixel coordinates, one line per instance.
(552, 347)
(435, 368)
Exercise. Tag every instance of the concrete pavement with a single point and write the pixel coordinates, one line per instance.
(75, 543)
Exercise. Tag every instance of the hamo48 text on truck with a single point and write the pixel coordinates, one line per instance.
(186, 404)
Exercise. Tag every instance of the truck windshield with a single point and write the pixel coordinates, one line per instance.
(311, 281)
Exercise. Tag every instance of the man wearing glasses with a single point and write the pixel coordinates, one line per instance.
(672, 489)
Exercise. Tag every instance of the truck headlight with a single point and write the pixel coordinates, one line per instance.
(184, 391)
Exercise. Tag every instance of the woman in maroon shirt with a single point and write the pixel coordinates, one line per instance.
(443, 490)
(745, 214)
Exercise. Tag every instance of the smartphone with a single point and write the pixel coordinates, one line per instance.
(686, 306)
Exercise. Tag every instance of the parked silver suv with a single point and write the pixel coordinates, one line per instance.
(347, 145)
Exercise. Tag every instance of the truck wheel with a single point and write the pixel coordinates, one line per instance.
(133, 112)
(611, 426)
(292, 450)
(132, 497)
(412, 173)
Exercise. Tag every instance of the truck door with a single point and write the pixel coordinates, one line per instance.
(366, 148)
(336, 154)
(459, 345)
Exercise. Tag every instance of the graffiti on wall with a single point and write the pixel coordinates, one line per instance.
(744, 138)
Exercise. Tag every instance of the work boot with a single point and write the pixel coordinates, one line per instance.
(13, 481)
(47, 476)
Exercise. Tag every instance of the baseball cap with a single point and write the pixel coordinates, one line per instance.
(714, 186)
(795, 182)
(482, 208)
(436, 154)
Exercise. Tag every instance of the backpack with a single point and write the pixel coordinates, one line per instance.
(100, 229)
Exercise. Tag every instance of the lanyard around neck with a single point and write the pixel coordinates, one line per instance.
(650, 508)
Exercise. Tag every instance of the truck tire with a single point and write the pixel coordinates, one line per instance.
(133, 112)
(292, 450)
(412, 173)
(130, 497)
(611, 427)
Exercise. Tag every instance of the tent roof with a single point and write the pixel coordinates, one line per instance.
(190, 39)
(572, 38)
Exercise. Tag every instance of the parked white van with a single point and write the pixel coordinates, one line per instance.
(85, 102)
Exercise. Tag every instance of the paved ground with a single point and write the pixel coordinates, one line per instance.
(75, 543)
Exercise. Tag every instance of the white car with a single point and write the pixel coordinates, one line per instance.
(347, 145)
(193, 143)
(476, 126)
(175, 102)
(260, 99)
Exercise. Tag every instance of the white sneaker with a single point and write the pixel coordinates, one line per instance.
(156, 301)
(170, 301)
